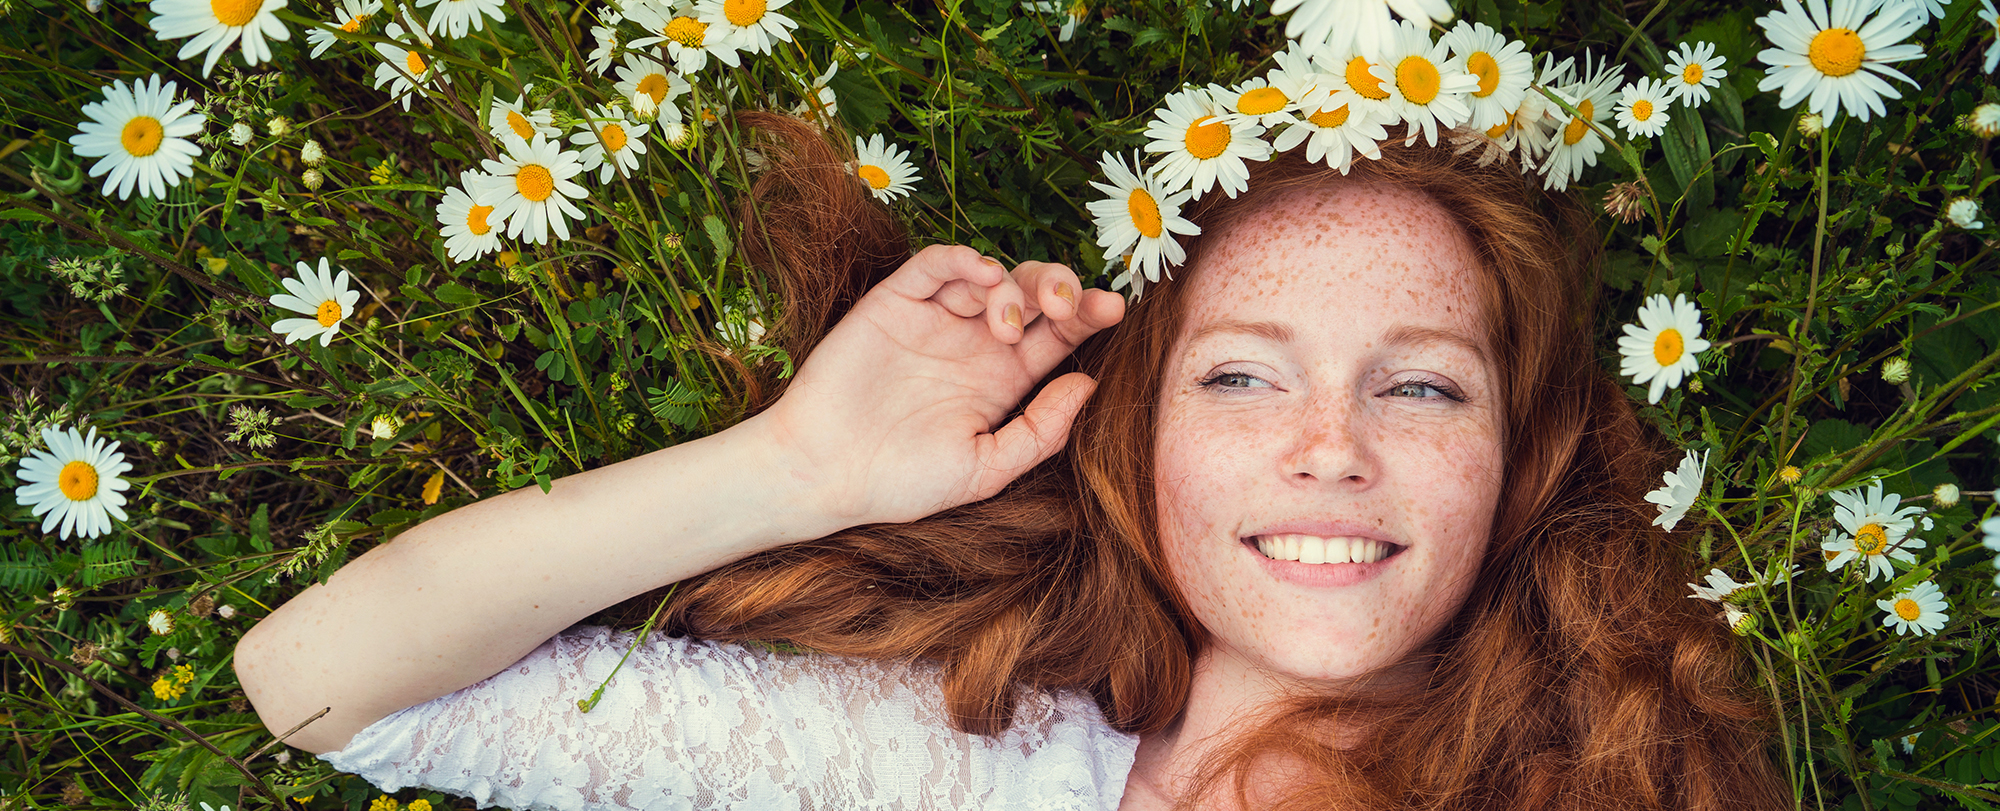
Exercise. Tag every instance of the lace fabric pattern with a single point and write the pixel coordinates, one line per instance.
(687, 724)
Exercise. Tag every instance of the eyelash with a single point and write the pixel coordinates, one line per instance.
(1450, 392)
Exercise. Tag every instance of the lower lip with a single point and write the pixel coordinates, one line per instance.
(1320, 575)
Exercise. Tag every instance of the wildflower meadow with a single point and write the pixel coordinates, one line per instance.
(280, 279)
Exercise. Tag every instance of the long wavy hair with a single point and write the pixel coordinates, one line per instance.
(1576, 674)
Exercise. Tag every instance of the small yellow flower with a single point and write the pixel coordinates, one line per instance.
(383, 803)
(1789, 474)
(418, 805)
(383, 174)
(183, 675)
(167, 688)
(507, 259)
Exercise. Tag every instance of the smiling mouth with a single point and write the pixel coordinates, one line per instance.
(1315, 549)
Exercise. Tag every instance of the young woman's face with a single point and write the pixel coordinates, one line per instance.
(1330, 428)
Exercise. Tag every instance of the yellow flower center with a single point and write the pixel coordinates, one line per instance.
(613, 137)
(235, 13)
(415, 62)
(1908, 609)
(1497, 130)
(655, 85)
(1418, 79)
(1145, 213)
(1078, 9)
(1329, 118)
(519, 124)
(1576, 128)
(329, 313)
(687, 31)
(1692, 73)
(1484, 66)
(873, 176)
(1261, 101)
(354, 23)
(1642, 110)
(1208, 137)
(1667, 347)
(1871, 539)
(475, 220)
(142, 136)
(534, 182)
(1836, 51)
(1364, 82)
(743, 12)
(78, 481)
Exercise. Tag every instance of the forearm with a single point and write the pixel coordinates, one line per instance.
(458, 598)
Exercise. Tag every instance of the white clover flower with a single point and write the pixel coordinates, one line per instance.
(1682, 487)
(1945, 495)
(1964, 213)
(77, 483)
(279, 126)
(142, 136)
(225, 611)
(1661, 348)
(312, 179)
(1811, 125)
(312, 154)
(1919, 610)
(241, 133)
(160, 622)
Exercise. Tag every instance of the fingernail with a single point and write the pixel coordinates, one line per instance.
(1012, 316)
(1063, 292)
(992, 261)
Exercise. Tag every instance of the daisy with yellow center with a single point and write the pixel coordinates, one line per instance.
(405, 70)
(610, 142)
(319, 295)
(1259, 99)
(1203, 149)
(1991, 17)
(1426, 88)
(468, 228)
(1137, 220)
(885, 168)
(1642, 108)
(1682, 486)
(1362, 26)
(218, 24)
(647, 73)
(688, 41)
(1838, 59)
(456, 18)
(1337, 129)
(349, 17)
(605, 34)
(530, 190)
(76, 485)
(1918, 610)
(515, 117)
(1692, 71)
(1501, 66)
(820, 104)
(1575, 144)
(142, 136)
(748, 25)
(1661, 347)
(1875, 531)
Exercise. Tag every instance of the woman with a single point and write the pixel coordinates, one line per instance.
(1390, 373)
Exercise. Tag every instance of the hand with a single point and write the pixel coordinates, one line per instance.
(894, 415)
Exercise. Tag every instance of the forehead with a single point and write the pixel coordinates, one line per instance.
(1349, 253)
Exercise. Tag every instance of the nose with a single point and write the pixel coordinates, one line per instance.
(1331, 444)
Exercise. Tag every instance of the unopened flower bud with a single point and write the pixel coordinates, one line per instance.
(385, 426)
(225, 611)
(1984, 120)
(1739, 621)
(312, 179)
(173, 654)
(241, 133)
(677, 134)
(278, 126)
(1626, 201)
(1945, 495)
(1896, 370)
(311, 153)
(160, 621)
(1811, 125)
(644, 107)
(1789, 474)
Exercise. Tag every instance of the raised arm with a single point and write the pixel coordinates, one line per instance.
(892, 418)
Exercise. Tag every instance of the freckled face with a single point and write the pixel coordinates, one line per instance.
(1331, 382)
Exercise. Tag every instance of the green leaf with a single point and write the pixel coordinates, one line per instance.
(1685, 143)
(718, 235)
(455, 293)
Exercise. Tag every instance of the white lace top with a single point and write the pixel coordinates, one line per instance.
(700, 725)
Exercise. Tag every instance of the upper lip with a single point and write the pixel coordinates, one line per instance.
(1324, 529)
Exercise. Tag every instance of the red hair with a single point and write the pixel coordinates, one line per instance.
(1576, 674)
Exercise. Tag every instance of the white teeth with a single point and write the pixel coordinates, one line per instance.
(1314, 549)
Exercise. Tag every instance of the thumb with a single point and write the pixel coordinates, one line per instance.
(1036, 435)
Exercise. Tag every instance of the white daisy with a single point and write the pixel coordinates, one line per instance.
(688, 41)
(317, 293)
(1257, 100)
(1990, 531)
(605, 35)
(1073, 13)
(820, 104)
(1964, 213)
(618, 140)
(456, 18)
(467, 232)
(1834, 58)
(1662, 346)
(1361, 25)
(1991, 16)
(514, 117)
(749, 25)
(1876, 532)
(1501, 66)
(1693, 70)
(1138, 219)
(350, 16)
(1575, 144)
(529, 188)
(1642, 108)
(1336, 132)
(1720, 587)
(1909, 742)
(1928, 10)
(405, 70)
(218, 24)
(1917, 610)
(1537, 120)
(885, 167)
(75, 482)
(1427, 89)
(142, 136)
(1202, 147)
(1682, 487)
(648, 74)
(1493, 144)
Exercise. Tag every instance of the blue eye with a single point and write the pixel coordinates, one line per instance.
(1232, 380)
(1426, 389)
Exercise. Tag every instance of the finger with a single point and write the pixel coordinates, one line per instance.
(933, 267)
(1051, 288)
(1049, 340)
(1007, 312)
(1036, 435)
(961, 298)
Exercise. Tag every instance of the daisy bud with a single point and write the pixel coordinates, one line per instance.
(278, 126)
(1945, 495)
(241, 133)
(1964, 213)
(225, 611)
(173, 654)
(63, 597)
(644, 107)
(1694, 385)
(311, 153)
(1896, 371)
(160, 621)
(1626, 201)
(1739, 621)
(312, 179)
(283, 756)
(93, 6)
(1984, 120)
(1811, 125)
(672, 240)
(385, 426)
(1789, 475)
(677, 134)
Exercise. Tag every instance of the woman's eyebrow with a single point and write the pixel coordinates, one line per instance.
(1276, 333)
(1413, 334)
